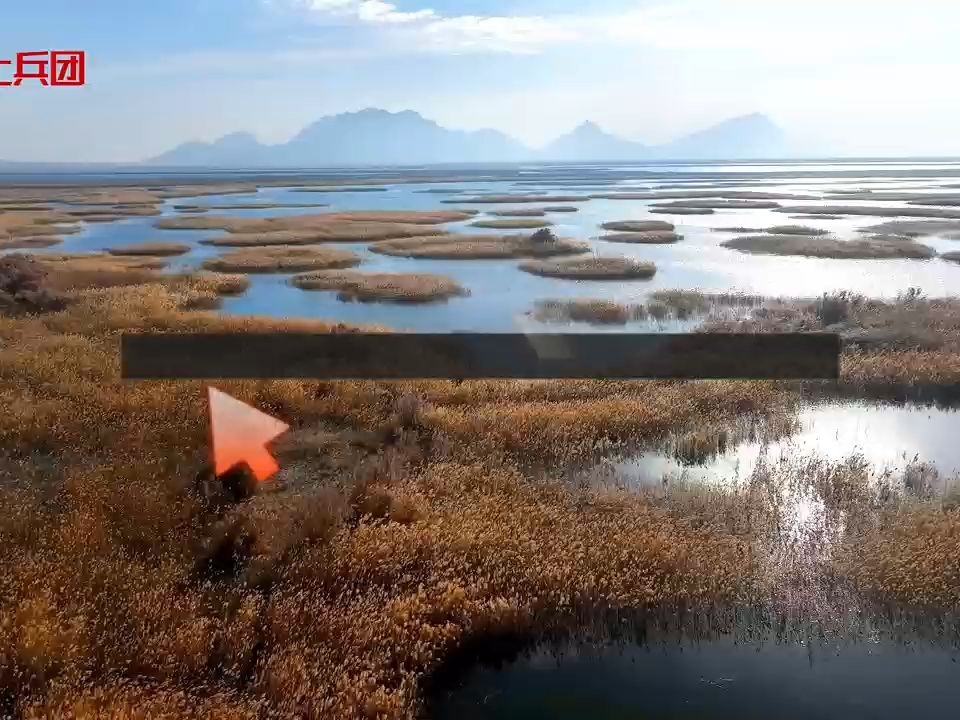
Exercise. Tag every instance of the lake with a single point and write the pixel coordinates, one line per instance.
(502, 296)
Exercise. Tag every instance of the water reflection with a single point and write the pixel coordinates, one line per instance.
(890, 439)
(716, 680)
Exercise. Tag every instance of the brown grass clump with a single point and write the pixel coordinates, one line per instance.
(112, 212)
(322, 223)
(796, 230)
(662, 210)
(639, 226)
(598, 312)
(35, 224)
(282, 260)
(717, 193)
(339, 189)
(591, 268)
(508, 199)
(907, 341)
(738, 229)
(775, 230)
(876, 210)
(912, 198)
(909, 558)
(245, 206)
(512, 223)
(25, 288)
(476, 247)
(875, 247)
(519, 212)
(221, 283)
(353, 232)
(26, 243)
(382, 287)
(720, 204)
(76, 271)
(153, 249)
(914, 228)
(654, 237)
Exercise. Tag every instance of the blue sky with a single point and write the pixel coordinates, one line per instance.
(845, 76)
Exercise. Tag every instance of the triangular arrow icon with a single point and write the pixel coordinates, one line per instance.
(240, 433)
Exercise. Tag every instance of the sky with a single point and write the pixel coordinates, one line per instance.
(845, 77)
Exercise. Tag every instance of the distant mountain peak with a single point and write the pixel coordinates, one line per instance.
(589, 141)
(588, 127)
(753, 135)
(374, 136)
(239, 138)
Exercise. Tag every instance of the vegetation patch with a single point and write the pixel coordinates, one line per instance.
(874, 210)
(479, 247)
(246, 206)
(519, 212)
(22, 224)
(562, 209)
(585, 310)
(740, 230)
(952, 256)
(222, 283)
(721, 204)
(518, 223)
(405, 528)
(653, 237)
(796, 230)
(671, 210)
(155, 249)
(638, 226)
(282, 260)
(874, 247)
(717, 193)
(83, 271)
(358, 189)
(322, 222)
(912, 198)
(24, 287)
(908, 341)
(506, 199)
(357, 232)
(382, 287)
(25, 243)
(914, 228)
(591, 268)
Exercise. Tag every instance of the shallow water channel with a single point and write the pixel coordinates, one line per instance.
(716, 680)
(890, 438)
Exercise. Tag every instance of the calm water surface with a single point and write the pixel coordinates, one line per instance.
(502, 296)
(714, 681)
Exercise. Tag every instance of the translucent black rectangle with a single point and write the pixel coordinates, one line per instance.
(462, 356)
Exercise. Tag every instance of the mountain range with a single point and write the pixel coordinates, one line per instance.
(379, 137)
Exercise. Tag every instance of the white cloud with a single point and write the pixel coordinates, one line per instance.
(366, 11)
(812, 31)
(506, 34)
(429, 30)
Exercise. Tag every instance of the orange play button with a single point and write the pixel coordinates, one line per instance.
(240, 434)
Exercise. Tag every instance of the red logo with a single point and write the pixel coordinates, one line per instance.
(45, 67)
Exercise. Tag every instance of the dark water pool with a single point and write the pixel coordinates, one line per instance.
(717, 681)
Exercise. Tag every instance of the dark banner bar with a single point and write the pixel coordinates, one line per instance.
(462, 356)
